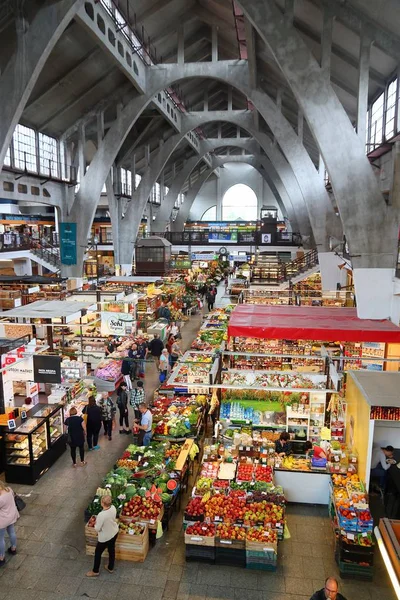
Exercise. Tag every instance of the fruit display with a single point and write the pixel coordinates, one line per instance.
(227, 509)
(108, 370)
(245, 472)
(261, 535)
(131, 528)
(195, 509)
(260, 379)
(201, 529)
(191, 374)
(230, 532)
(141, 508)
(209, 340)
(263, 473)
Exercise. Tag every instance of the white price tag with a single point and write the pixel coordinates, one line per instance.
(131, 532)
(364, 534)
(152, 521)
(226, 542)
(248, 448)
(350, 536)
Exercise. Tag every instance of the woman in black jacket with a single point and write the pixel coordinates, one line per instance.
(122, 403)
(93, 423)
(76, 435)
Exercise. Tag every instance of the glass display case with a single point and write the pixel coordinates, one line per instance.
(34, 444)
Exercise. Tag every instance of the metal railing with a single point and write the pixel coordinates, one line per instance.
(279, 272)
(249, 238)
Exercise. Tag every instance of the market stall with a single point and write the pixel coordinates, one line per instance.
(373, 414)
(356, 343)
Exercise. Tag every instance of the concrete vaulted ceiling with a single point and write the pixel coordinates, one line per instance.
(70, 77)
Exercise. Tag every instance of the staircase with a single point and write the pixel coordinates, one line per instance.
(281, 275)
(48, 257)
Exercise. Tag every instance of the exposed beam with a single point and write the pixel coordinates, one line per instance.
(139, 139)
(65, 79)
(355, 20)
(76, 101)
(151, 11)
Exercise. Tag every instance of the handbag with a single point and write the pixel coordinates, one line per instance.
(19, 503)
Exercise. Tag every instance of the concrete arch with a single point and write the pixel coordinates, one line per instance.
(234, 73)
(255, 161)
(33, 48)
(270, 174)
(363, 210)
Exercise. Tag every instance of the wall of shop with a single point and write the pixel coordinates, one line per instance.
(387, 434)
(214, 189)
(357, 425)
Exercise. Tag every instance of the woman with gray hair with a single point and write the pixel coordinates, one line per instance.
(8, 517)
(107, 531)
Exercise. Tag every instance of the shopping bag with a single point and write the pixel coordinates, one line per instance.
(286, 532)
(19, 503)
(162, 377)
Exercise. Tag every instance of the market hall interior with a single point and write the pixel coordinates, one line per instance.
(253, 144)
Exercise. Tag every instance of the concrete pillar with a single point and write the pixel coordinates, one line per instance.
(289, 10)
(331, 275)
(326, 44)
(374, 290)
(22, 266)
(181, 44)
(218, 199)
(363, 81)
(81, 151)
(214, 43)
(300, 124)
(100, 128)
(395, 191)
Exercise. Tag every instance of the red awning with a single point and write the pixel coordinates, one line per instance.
(308, 323)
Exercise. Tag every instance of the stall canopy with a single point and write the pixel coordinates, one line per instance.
(308, 323)
(378, 388)
(49, 309)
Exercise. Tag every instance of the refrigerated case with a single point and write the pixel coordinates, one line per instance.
(34, 445)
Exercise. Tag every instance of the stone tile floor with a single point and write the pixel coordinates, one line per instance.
(51, 561)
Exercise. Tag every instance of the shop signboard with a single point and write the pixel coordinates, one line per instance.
(68, 243)
(46, 368)
(229, 237)
(372, 350)
(116, 323)
(239, 258)
(181, 263)
(17, 371)
(266, 238)
(204, 256)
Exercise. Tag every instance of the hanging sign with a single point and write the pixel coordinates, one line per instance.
(17, 371)
(46, 368)
(68, 244)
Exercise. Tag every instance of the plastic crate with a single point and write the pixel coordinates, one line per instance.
(230, 557)
(264, 560)
(200, 553)
(353, 571)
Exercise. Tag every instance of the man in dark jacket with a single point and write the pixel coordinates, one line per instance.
(329, 592)
(155, 348)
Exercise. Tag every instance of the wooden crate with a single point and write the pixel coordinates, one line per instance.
(197, 540)
(151, 524)
(230, 544)
(133, 548)
(262, 546)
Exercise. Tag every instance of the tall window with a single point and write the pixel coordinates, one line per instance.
(239, 204)
(210, 214)
(390, 125)
(138, 179)
(7, 158)
(48, 158)
(155, 194)
(179, 201)
(376, 135)
(126, 182)
(24, 141)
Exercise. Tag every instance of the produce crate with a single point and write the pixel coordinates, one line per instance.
(192, 518)
(133, 548)
(197, 540)
(194, 552)
(267, 547)
(152, 523)
(263, 561)
(352, 571)
(230, 544)
(229, 556)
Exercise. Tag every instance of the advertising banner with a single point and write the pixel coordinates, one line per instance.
(46, 368)
(68, 250)
(219, 236)
(117, 323)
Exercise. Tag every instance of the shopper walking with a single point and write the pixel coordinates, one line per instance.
(126, 371)
(122, 403)
(107, 530)
(210, 299)
(164, 365)
(133, 357)
(108, 411)
(145, 427)
(141, 354)
(176, 352)
(8, 517)
(138, 396)
(329, 591)
(156, 346)
(93, 423)
(76, 435)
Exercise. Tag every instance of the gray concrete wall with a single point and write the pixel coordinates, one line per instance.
(231, 174)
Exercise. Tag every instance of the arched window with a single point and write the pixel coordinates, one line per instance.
(239, 204)
(210, 214)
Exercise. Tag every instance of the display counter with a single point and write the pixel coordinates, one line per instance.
(34, 445)
(306, 487)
